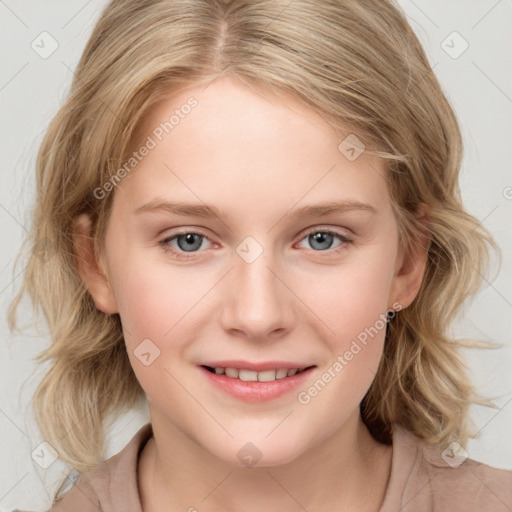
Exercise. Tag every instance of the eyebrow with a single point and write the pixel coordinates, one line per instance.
(206, 211)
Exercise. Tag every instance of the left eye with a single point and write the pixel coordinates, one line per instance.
(322, 240)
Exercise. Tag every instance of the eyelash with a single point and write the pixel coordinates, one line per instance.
(180, 255)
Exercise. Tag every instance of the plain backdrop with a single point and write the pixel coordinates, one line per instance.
(474, 67)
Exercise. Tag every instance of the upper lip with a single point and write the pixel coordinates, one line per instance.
(257, 367)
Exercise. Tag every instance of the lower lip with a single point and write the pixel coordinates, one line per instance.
(255, 391)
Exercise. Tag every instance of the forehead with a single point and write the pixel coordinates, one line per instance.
(241, 148)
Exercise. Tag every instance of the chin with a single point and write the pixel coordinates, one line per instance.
(258, 453)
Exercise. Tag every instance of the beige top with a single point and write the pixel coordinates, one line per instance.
(421, 480)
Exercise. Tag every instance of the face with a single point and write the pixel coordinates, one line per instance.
(277, 281)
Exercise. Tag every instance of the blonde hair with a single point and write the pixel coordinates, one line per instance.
(359, 64)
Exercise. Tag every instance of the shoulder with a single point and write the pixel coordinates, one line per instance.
(81, 498)
(109, 485)
(429, 477)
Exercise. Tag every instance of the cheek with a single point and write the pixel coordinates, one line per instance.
(153, 298)
(352, 303)
(355, 312)
(157, 305)
(354, 299)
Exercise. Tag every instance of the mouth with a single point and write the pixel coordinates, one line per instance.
(256, 376)
(256, 385)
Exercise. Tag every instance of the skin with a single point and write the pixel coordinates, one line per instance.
(257, 157)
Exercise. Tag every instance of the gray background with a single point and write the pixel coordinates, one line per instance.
(479, 85)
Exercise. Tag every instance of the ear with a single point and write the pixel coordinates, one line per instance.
(90, 267)
(410, 269)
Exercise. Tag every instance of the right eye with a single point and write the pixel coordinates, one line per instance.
(183, 242)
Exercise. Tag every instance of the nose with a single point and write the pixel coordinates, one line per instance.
(259, 306)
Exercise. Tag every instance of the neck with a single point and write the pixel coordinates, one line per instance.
(176, 473)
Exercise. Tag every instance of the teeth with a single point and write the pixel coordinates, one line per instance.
(232, 372)
(267, 376)
(282, 373)
(247, 375)
(253, 376)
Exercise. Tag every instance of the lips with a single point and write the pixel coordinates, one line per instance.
(240, 364)
(256, 382)
(252, 375)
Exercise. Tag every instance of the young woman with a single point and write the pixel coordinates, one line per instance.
(255, 222)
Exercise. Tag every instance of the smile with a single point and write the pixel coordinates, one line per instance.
(256, 386)
(254, 376)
